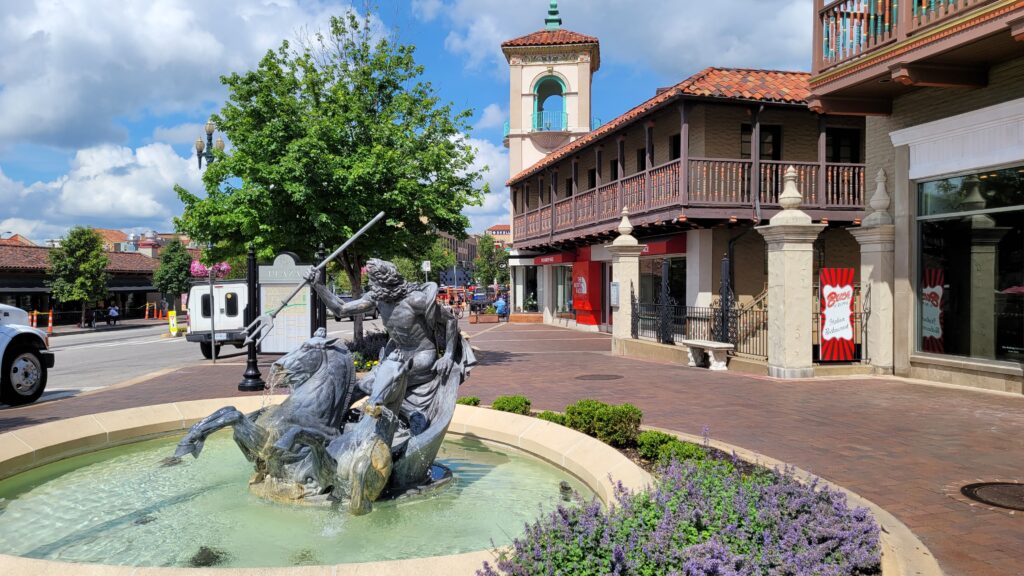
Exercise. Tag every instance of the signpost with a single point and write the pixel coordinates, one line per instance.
(835, 329)
(425, 267)
(293, 323)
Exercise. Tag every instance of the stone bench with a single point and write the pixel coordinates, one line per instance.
(716, 352)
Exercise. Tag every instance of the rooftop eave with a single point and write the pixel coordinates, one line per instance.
(593, 49)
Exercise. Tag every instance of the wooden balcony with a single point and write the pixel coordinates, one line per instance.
(867, 52)
(716, 188)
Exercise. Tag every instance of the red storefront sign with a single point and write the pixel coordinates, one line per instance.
(586, 292)
(557, 258)
(836, 325)
(673, 245)
(932, 293)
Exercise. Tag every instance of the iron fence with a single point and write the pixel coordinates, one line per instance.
(752, 333)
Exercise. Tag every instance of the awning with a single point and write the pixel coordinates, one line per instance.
(557, 258)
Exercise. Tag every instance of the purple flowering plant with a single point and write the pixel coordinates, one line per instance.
(703, 518)
(220, 269)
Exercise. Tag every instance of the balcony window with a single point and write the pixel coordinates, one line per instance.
(771, 142)
(591, 178)
(568, 188)
(549, 113)
(641, 159)
(972, 223)
(613, 169)
(842, 145)
(673, 147)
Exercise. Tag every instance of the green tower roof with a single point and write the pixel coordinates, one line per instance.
(553, 21)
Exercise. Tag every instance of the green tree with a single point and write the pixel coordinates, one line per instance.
(173, 276)
(441, 259)
(324, 137)
(491, 264)
(78, 268)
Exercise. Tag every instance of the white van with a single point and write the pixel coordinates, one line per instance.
(23, 356)
(230, 299)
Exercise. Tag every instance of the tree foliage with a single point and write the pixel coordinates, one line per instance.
(324, 137)
(491, 264)
(78, 268)
(173, 276)
(441, 259)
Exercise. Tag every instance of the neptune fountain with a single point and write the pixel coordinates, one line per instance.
(319, 446)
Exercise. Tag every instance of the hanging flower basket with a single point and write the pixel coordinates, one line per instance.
(219, 270)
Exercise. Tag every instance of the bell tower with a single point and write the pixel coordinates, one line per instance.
(549, 97)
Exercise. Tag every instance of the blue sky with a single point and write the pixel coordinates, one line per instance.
(100, 101)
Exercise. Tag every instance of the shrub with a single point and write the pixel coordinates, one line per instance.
(490, 310)
(552, 417)
(618, 425)
(582, 416)
(469, 400)
(681, 451)
(702, 519)
(371, 346)
(514, 404)
(649, 441)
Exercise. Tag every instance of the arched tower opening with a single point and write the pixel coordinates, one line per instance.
(550, 112)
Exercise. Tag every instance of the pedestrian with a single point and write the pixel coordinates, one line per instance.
(501, 307)
(113, 314)
(110, 314)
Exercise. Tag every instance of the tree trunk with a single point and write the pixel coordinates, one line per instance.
(81, 322)
(353, 268)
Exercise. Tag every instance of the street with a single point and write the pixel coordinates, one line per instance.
(96, 360)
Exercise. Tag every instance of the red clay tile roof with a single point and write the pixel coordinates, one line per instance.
(111, 237)
(17, 240)
(545, 37)
(741, 84)
(500, 227)
(34, 259)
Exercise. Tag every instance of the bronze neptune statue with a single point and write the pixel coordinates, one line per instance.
(316, 446)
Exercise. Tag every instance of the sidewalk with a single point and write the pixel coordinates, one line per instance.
(904, 446)
(66, 329)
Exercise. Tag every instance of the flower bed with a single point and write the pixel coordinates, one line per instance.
(707, 515)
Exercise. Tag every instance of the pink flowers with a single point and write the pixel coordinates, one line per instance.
(219, 270)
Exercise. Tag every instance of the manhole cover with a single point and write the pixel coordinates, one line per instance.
(599, 377)
(1002, 494)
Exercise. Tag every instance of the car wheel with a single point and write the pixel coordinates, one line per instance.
(24, 376)
(206, 349)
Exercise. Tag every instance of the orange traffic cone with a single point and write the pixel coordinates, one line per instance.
(146, 317)
(32, 319)
(159, 314)
(49, 326)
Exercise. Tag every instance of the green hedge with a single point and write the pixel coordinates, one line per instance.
(650, 441)
(619, 425)
(514, 404)
(582, 416)
(469, 400)
(552, 417)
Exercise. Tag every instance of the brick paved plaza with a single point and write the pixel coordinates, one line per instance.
(899, 444)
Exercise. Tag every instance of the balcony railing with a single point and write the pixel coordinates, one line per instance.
(714, 183)
(550, 121)
(848, 29)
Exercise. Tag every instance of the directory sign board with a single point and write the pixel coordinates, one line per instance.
(292, 324)
(837, 343)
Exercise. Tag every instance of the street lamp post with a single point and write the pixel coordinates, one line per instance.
(252, 380)
(209, 146)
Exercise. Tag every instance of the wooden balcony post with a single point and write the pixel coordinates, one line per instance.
(648, 161)
(816, 26)
(575, 188)
(553, 190)
(598, 158)
(620, 145)
(822, 180)
(905, 15)
(755, 156)
(684, 156)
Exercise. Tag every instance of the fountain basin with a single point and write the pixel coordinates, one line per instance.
(588, 460)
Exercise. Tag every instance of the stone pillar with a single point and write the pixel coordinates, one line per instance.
(625, 252)
(700, 264)
(877, 237)
(790, 236)
(985, 238)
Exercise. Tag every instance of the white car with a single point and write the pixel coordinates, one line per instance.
(230, 301)
(25, 358)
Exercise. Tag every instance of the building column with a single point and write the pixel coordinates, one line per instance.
(699, 267)
(625, 252)
(985, 238)
(877, 239)
(790, 236)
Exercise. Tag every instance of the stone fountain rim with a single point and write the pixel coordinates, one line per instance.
(586, 458)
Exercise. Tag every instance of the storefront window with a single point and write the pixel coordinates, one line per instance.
(650, 279)
(971, 267)
(563, 290)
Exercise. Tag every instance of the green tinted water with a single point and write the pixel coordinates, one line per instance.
(120, 506)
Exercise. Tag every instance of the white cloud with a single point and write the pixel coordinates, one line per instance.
(492, 117)
(672, 38)
(180, 134)
(427, 10)
(496, 207)
(107, 186)
(71, 70)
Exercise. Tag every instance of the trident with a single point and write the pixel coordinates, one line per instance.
(260, 327)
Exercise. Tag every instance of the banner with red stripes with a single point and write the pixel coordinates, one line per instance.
(836, 342)
(932, 294)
